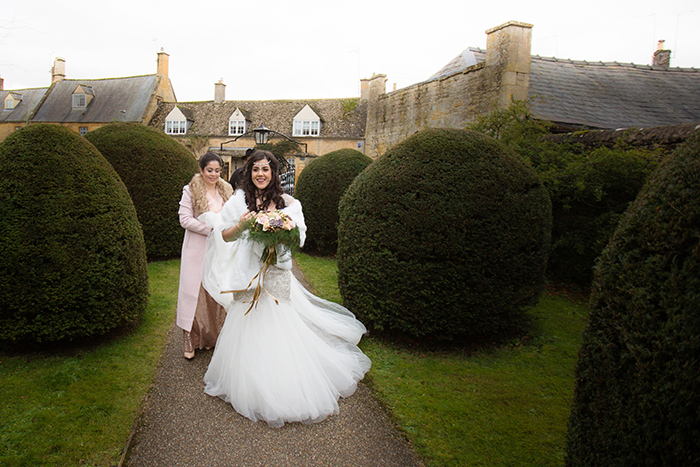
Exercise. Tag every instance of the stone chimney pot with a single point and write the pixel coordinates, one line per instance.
(162, 68)
(219, 91)
(662, 57)
(58, 71)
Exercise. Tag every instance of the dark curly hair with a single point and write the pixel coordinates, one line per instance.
(209, 157)
(272, 194)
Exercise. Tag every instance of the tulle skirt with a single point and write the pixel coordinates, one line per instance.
(286, 362)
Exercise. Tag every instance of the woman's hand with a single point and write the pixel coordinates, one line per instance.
(245, 217)
(232, 233)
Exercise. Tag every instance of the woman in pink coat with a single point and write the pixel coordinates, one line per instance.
(198, 315)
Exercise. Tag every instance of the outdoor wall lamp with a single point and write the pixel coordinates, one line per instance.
(262, 135)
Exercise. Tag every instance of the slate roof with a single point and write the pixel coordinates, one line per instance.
(603, 95)
(340, 118)
(111, 96)
(23, 110)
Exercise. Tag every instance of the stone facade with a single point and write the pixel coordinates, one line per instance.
(132, 99)
(453, 101)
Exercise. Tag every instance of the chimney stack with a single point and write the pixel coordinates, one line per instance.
(2, 84)
(508, 55)
(219, 91)
(662, 57)
(58, 71)
(364, 89)
(162, 63)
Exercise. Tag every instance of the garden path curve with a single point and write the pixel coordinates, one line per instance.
(180, 425)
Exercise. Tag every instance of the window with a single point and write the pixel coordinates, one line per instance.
(176, 123)
(236, 127)
(79, 101)
(306, 127)
(176, 127)
(12, 101)
(83, 130)
(306, 122)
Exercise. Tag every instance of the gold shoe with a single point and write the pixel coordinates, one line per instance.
(187, 345)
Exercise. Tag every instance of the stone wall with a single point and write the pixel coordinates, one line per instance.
(453, 101)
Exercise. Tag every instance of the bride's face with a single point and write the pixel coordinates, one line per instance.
(261, 174)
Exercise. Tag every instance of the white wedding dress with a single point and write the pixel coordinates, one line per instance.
(286, 362)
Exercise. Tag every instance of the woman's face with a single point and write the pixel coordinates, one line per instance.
(211, 173)
(261, 174)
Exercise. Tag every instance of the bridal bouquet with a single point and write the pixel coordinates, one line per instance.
(272, 228)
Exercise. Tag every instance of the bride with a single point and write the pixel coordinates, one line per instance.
(286, 356)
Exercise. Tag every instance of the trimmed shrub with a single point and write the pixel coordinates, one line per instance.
(589, 195)
(154, 168)
(637, 395)
(446, 235)
(319, 188)
(590, 189)
(72, 255)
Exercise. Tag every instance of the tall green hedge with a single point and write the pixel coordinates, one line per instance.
(637, 395)
(72, 255)
(154, 168)
(319, 188)
(589, 188)
(590, 192)
(445, 235)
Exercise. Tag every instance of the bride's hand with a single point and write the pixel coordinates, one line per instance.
(232, 233)
(245, 218)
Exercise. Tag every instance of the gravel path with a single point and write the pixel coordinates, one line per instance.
(182, 426)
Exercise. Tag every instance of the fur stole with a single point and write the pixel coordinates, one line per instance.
(199, 193)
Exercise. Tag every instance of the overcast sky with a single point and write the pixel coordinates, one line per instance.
(287, 49)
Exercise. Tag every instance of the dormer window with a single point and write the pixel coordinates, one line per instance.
(176, 123)
(306, 123)
(82, 96)
(12, 100)
(237, 123)
(79, 101)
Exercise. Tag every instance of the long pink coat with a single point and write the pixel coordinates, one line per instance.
(193, 248)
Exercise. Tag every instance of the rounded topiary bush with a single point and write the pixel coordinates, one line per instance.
(154, 168)
(319, 188)
(637, 394)
(72, 255)
(445, 235)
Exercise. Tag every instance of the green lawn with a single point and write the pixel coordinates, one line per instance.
(77, 407)
(502, 407)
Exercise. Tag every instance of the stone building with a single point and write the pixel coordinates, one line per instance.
(85, 104)
(225, 126)
(571, 94)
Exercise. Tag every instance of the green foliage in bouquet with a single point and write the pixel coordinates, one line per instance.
(273, 228)
(154, 168)
(319, 188)
(72, 254)
(637, 395)
(446, 235)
